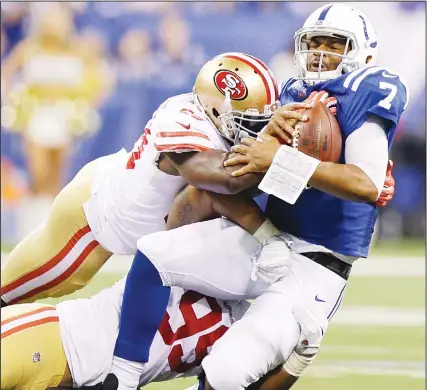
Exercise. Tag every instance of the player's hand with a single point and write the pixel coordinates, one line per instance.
(388, 188)
(323, 96)
(282, 122)
(313, 324)
(273, 262)
(257, 156)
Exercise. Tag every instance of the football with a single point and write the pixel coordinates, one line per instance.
(320, 137)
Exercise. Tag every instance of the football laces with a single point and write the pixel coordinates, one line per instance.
(295, 139)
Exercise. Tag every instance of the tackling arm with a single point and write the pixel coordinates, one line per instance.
(206, 170)
(192, 205)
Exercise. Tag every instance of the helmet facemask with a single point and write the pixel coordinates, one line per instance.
(302, 51)
(237, 124)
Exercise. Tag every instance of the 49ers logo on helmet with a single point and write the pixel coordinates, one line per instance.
(227, 81)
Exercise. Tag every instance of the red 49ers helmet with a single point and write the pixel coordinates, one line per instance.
(238, 93)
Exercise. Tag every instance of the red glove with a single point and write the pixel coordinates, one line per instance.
(323, 97)
(388, 188)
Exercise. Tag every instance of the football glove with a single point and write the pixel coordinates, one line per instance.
(314, 324)
(323, 96)
(388, 188)
(273, 262)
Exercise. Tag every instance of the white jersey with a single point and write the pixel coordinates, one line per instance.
(193, 323)
(130, 196)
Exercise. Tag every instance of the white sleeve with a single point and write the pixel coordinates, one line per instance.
(367, 148)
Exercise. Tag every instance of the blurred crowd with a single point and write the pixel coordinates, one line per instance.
(81, 79)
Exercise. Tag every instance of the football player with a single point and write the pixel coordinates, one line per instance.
(330, 225)
(44, 346)
(115, 200)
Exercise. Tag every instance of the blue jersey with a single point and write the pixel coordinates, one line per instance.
(342, 226)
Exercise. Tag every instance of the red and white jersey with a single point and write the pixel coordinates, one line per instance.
(193, 323)
(130, 196)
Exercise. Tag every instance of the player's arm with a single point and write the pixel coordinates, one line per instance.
(374, 113)
(378, 101)
(361, 178)
(196, 159)
(193, 205)
(206, 170)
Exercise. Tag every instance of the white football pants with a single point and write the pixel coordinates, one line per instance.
(214, 258)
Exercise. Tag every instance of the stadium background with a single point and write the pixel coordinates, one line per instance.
(135, 55)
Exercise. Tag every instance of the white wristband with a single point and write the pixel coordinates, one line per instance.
(265, 231)
(289, 174)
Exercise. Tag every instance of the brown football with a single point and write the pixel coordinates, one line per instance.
(320, 137)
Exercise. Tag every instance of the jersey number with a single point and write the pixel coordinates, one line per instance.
(386, 103)
(192, 327)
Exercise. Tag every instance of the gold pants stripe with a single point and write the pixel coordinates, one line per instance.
(61, 255)
(27, 320)
(45, 268)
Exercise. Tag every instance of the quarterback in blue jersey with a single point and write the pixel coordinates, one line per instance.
(329, 226)
(338, 212)
(333, 221)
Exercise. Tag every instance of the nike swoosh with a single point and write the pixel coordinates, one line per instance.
(184, 126)
(317, 299)
(384, 74)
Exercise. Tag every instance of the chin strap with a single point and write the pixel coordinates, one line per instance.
(226, 109)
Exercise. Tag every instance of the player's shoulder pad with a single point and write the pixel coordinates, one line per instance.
(284, 86)
(378, 85)
(182, 128)
(292, 90)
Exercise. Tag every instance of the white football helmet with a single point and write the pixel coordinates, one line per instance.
(337, 21)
